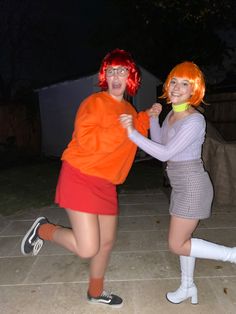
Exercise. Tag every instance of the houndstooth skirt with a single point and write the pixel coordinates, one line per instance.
(192, 191)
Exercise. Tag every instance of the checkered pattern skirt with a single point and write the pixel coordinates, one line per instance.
(192, 190)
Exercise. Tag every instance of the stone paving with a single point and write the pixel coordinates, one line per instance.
(141, 269)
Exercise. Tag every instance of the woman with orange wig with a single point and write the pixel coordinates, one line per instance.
(98, 157)
(179, 143)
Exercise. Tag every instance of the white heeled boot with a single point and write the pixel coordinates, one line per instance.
(187, 288)
(204, 249)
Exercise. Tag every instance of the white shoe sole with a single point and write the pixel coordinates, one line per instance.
(27, 235)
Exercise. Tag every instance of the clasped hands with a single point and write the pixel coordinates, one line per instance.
(126, 120)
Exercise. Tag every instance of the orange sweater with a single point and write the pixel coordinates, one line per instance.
(100, 146)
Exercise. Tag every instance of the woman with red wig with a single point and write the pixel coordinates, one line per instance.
(179, 143)
(98, 157)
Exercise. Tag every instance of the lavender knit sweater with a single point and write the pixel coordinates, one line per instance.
(179, 142)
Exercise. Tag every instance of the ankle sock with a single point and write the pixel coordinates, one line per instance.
(46, 231)
(95, 287)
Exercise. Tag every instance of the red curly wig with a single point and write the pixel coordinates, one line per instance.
(194, 75)
(123, 58)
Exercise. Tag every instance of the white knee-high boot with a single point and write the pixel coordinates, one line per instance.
(204, 249)
(187, 288)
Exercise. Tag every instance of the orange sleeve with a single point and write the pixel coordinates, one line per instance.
(96, 130)
(142, 122)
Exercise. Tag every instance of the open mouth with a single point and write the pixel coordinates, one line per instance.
(116, 85)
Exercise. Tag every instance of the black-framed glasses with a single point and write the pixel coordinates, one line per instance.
(120, 71)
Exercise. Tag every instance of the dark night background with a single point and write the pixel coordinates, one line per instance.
(47, 41)
(43, 42)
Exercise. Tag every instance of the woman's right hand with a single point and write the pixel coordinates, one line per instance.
(126, 121)
(155, 110)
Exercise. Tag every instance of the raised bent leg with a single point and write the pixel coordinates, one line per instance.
(205, 249)
(84, 236)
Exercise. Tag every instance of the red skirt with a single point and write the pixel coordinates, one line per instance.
(85, 193)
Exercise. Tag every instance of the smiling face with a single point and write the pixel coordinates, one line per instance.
(116, 77)
(180, 90)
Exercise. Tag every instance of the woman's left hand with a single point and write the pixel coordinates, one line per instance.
(155, 110)
(126, 121)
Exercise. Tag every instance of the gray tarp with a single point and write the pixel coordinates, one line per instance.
(220, 161)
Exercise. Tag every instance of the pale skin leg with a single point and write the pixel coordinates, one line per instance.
(180, 233)
(92, 236)
(108, 227)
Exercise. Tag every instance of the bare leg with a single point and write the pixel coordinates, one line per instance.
(180, 233)
(180, 242)
(84, 237)
(108, 226)
(92, 236)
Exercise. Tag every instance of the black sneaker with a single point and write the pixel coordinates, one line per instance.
(32, 243)
(106, 299)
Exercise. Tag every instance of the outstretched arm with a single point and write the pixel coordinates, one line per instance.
(185, 137)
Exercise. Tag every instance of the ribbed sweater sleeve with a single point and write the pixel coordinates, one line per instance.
(155, 130)
(187, 134)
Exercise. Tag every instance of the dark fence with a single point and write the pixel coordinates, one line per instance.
(19, 129)
(221, 112)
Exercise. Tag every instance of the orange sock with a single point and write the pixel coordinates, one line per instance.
(46, 231)
(95, 287)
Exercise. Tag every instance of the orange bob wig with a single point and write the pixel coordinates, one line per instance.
(194, 75)
(123, 58)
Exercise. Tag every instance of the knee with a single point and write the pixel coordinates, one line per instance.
(89, 249)
(86, 252)
(174, 247)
